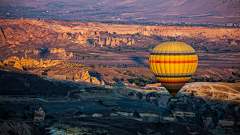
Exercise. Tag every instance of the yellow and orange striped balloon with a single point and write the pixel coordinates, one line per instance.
(173, 64)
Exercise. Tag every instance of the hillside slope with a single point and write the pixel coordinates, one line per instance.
(158, 11)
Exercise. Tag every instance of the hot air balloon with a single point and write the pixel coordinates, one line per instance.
(173, 64)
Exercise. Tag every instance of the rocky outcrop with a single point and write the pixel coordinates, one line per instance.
(97, 33)
(233, 42)
(124, 40)
(18, 65)
(41, 63)
(61, 52)
(85, 76)
(13, 61)
(70, 55)
(35, 52)
(60, 36)
(55, 50)
(29, 62)
(108, 41)
(102, 83)
(65, 35)
(133, 41)
(94, 80)
(3, 40)
(21, 20)
(76, 78)
(24, 62)
(82, 39)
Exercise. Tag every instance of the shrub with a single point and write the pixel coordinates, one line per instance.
(116, 79)
(44, 73)
(106, 74)
(93, 66)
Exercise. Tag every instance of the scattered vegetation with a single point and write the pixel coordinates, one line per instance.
(92, 66)
(118, 79)
(143, 80)
(44, 73)
(118, 71)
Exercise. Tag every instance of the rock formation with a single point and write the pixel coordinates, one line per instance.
(13, 61)
(97, 33)
(65, 35)
(85, 76)
(108, 41)
(21, 20)
(124, 40)
(94, 80)
(61, 52)
(76, 78)
(99, 41)
(129, 43)
(91, 33)
(113, 43)
(117, 41)
(36, 51)
(69, 78)
(28, 21)
(41, 63)
(16, 62)
(233, 42)
(82, 39)
(102, 83)
(3, 39)
(70, 55)
(133, 42)
(18, 65)
(29, 62)
(60, 36)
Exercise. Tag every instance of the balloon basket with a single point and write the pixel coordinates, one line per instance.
(173, 99)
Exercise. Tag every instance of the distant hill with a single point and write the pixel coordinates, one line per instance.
(139, 11)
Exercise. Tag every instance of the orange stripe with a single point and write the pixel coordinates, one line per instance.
(187, 61)
(173, 82)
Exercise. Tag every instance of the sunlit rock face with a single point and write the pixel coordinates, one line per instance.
(85, 76)
(214, 91)
(94, 80)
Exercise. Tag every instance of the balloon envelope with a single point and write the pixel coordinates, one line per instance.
(173, 64)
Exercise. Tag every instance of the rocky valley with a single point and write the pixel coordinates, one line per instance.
(66, 77)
